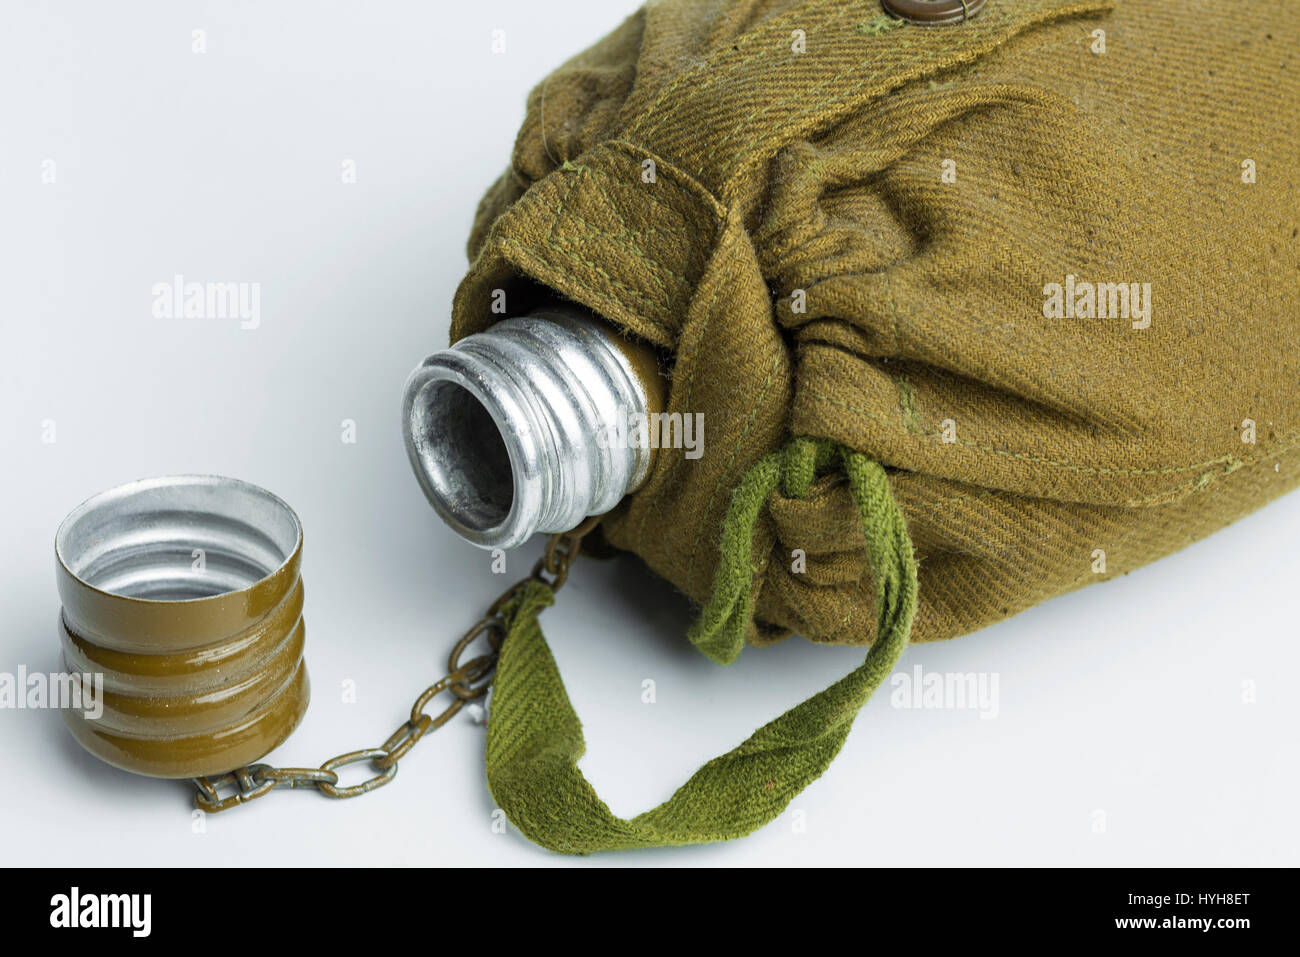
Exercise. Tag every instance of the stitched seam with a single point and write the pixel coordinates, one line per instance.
(644, 299)
(577, 283)
(679, 179)
(551, 242)
(564, 201)
(933, 508)
(907, 403)
(619, 236)
(675, 178)
(976, 50)
(648, 197)
(1286, 444)
(612, 205)
(652, 266)
(566, 242)
(922, 511)
(766, 33)
(926, 56)
(1208, 478)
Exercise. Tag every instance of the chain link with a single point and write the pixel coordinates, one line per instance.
(465, 682)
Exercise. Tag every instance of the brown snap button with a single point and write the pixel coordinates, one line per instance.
(931, 12)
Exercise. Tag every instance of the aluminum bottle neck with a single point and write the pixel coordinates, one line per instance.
(518, 429)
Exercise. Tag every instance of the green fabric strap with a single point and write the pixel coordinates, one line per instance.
(534, 738)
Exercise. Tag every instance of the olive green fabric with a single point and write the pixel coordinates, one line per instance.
(838, 226)
(822, 171)
(535, 738)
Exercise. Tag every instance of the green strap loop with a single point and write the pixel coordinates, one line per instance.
(719, 632)
(534, 738)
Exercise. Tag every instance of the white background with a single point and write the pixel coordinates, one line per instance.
(1124, 699)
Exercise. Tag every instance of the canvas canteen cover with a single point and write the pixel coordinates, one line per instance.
(997, 307)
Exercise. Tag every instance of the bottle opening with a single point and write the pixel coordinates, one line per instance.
(178, 538)
(463, 455)
(507, 430)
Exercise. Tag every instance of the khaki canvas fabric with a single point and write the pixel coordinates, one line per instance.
(1017, 444)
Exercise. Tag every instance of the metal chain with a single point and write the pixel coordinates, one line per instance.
(465, 682)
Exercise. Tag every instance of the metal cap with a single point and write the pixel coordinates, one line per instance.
(934, 12)
(520, 429)
(184, 594)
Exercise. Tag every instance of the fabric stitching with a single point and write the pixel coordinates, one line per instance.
(619, 236)
(755, 147)
(559, 209)
(644, 299)
(705, 89)
(649, 195)
(577, 283)
(907, 404)
(678, 178)
(652, 266)
(1284, 445)
(777, 131)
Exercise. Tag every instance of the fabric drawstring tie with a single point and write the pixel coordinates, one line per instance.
(534, 738)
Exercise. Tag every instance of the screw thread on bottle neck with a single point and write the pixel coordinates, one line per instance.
(515, 430)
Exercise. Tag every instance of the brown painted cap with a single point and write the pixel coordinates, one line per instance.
(182, 624)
